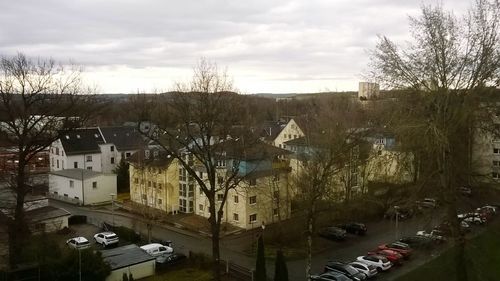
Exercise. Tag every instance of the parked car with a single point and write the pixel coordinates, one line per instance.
(403, 213)
(368, 270)
(331, 276)
(346, 269)
(446, 229)
(157, 249)
(418, 241)
(435, 235)
(170, 259)
(401, 248)
(379, 262)
(79, 243)
(393, 256)
(472, 218)
(354, 228)
(429, 203)
(487, 212)
(332, 232)
(465, 191)
(106, 238)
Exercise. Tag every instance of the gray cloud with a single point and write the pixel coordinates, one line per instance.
(266, 43)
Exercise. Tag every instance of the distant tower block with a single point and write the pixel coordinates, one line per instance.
(368, 90)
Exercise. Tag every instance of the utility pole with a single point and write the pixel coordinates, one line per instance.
(113, 209)
(396, 208)
(79, 265)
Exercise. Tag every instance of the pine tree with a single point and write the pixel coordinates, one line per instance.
(280, 269)
(124, 277)
(260, 267)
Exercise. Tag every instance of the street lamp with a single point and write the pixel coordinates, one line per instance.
(396, 209)
(79, 265)
(113, 209)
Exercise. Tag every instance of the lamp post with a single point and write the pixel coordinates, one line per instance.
(79, 265)
(113, 209)
(396, 209)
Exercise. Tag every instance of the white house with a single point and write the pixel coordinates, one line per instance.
(97, 149)
(82, 186)
(129, 259)
(278, 132)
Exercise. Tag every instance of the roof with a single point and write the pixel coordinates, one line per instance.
(125, 256)
(80, 141)
(301, 141)
(157, 157)
(123, 137)
(77, 174)
(238, 149)
(271, 129)
(45, 213)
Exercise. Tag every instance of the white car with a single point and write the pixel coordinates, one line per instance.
(367, 269)
(78, 243)
(380, 263)
(434, 235)
(106, 238)
(157, 249)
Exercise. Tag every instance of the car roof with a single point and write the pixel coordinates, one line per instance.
(107, 233)
(152, 245)
(79, 239)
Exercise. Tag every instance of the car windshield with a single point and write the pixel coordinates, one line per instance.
(350, 269)
(112, 236)
(83, 243)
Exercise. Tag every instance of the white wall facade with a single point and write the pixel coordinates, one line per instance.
(138, 271)
(71, 190)
(290, 132)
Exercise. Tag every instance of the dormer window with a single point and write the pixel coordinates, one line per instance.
(77, 136)
(96, 136)
(67, 137)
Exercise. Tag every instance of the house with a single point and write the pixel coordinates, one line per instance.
(278, 132)
(97, 149)
(129, 259)
(81, 186)
(262, 195)
(154, 180)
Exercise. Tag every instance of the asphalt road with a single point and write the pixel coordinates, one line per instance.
(383, 231)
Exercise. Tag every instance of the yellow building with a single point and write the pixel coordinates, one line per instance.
(154, 180)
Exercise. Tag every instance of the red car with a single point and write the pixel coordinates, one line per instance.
(402, 249)
(393, 256)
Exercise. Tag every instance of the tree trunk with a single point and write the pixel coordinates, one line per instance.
(215, 229)
(310, 228)
(18, 228)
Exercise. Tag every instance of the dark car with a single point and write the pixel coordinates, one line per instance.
(170, 259)
(354, 228)
(346, 269)
(418, 241)
(331, 276)
(332, 232)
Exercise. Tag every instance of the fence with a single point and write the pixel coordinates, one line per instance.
(237, 271)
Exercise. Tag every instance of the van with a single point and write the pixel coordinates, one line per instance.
(157, 249)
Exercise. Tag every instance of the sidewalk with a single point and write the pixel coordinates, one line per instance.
(189, 224)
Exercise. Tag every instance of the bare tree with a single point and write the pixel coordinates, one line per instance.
(37, 98)
(200, 124)
(445, 69)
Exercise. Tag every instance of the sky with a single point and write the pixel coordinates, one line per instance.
(267, 46)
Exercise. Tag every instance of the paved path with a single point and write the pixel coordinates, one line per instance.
(232, 246)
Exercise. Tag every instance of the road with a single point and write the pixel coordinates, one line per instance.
(378, 232)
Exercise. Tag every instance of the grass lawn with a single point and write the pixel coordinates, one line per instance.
(482, 258)
(182, 274)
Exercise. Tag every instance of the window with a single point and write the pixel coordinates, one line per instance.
(294, 136)
(89, 168)
(275, 212)
(200, 207)
(495, 175)
(127, 155)
(112, 148)
(89, 158)
(220, 180)
(220, 197)
(154, 184)
(143, 197)
(252, 182)
(221, 163)
(52, 162)
(77, 198)
(252, 200)
(159, 201)
(57, 150)
(191, 190)
(496, 163)
(236, 199)
(75, 165)
(149, 183)
(94, 184)
(136, 180)
(112, 160)
(160, 186)
(496, 150)
(253, 218)
(236, 217)
(65, 195)
(57, 163)
(71, 184)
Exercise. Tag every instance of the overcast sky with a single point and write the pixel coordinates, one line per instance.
(273, 46)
